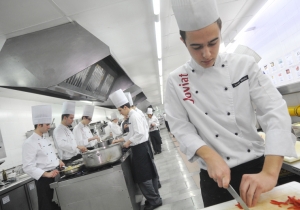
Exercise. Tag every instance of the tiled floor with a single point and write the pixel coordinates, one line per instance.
(179, 178)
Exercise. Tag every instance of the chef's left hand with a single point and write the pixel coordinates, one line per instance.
(253, 185)
(61, 164)
(127, 144)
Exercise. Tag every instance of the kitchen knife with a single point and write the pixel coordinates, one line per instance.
(237, 197)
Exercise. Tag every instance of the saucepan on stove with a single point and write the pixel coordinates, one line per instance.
(101, 156)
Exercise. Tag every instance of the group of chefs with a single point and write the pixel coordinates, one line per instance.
(41, 162)
(209, 109)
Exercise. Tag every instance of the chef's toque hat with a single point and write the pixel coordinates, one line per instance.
(113, 116)
(118, 98)
(41, 114)
(192, 15)
(149, 111)
(128, 95)
(88, 110)
(68, 107)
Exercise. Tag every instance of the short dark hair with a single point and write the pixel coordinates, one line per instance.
(35, 126)
(183, 34)
(86, 117)
(127, 104)
(64, 115)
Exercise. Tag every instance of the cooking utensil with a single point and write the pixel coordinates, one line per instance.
(101, 156)
(70, 170)
(237, 197)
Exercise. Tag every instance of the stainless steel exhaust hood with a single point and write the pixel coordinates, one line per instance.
(65, 61)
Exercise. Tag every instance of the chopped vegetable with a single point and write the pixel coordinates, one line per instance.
(291, 200)
(239, 206)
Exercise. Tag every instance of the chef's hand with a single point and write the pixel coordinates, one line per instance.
(153, 124)
(253, 185)
(115, 141)
(126, 126)
(217, 168)
(96, 138)
(61, 164)
(51, 174)
(127, 144)
(82, 148)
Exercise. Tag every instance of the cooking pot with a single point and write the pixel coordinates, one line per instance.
(101, 144)
(101, 156)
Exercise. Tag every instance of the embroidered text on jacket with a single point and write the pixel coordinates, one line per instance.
(185, 87)
(240, 81)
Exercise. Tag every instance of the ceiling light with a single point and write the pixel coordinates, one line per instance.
(160, 67)
(248, 25)
(160, 80)
(156, 6)
(158, 38)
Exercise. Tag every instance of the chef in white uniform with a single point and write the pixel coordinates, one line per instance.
(143, 168)
(128, 95)
(82, 132)
(153, 131)
(209, 109)
(114, 127)
(39, 158)
(66, 145)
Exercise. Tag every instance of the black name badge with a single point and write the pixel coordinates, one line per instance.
(240, 81)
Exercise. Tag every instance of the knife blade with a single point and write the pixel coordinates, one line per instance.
(237, 197)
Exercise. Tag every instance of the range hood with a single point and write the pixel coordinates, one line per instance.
(65, 61)
(136, 93)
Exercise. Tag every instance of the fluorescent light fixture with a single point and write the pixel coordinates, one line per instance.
(88, 102)
(162, 94)
(222, 47)
(160, 80)
(156, 6)
(160, 67)
(158, 38)
(266, 5)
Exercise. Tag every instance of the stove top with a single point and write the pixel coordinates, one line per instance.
(85, 171)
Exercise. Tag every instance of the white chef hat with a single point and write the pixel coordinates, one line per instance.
(88, 110)
(192, 15)
(41, 114)
(68, 107)
(118, 98)
(149, 111)
(113, 116)
(128, 95)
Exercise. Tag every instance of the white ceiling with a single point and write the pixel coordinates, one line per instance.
(126, 26)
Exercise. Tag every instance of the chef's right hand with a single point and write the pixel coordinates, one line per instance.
(217, 168)
(51, 174)
(82, 148)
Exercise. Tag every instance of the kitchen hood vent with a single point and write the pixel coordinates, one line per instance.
(65, 61)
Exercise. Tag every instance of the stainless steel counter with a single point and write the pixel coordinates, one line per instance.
(112, 188)
(292, 167)
(20, 181)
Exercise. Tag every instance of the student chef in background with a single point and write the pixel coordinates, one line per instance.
(66, 145)
(153, 131)
(209, 110)
(82, 132)
(39, 158)
(143, 167)
(114, 127)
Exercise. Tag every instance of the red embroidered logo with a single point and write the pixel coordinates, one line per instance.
(185, 87)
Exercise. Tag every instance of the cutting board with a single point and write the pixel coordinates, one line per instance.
(279, 193)
(292, 159)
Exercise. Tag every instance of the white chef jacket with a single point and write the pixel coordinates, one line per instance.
(82, 133)
(115, 129)
(143, 116)
(154, 120)
(38, 156)
(65, 142)
(138, 130)
(213, 107)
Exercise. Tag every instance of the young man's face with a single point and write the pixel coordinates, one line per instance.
(203, 44)
(124, 111)
(45, 128)
(69, 120)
